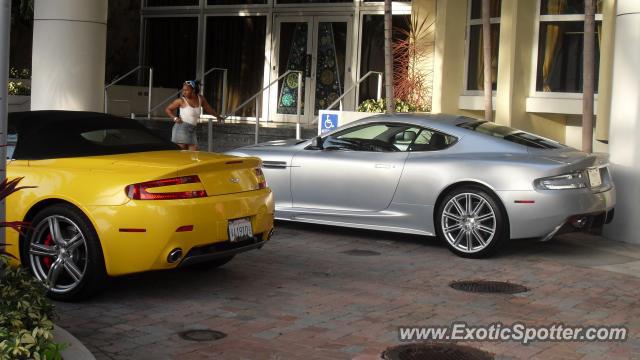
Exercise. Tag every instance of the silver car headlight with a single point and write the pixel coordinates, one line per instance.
(575, 180)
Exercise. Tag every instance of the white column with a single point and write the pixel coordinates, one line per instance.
(624, 144)
(69, 45)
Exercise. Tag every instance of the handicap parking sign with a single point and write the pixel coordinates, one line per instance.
(329, 120)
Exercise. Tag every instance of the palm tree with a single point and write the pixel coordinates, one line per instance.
(588, 75)
(486, 58)
(388, 58)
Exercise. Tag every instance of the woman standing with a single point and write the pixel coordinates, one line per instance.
(190, 104)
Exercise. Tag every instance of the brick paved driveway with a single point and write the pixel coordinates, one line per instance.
(301, 297)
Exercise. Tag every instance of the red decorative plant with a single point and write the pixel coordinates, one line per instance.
(412, 80)
(8, 187)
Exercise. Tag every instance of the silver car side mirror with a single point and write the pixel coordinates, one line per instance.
(316, 143)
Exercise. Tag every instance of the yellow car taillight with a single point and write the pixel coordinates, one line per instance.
(262, 181)
(139, 191)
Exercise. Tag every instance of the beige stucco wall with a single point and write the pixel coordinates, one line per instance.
(449, 55)
(606, 69)
(516, 70)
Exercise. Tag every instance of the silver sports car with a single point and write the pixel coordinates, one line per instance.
(471, 183)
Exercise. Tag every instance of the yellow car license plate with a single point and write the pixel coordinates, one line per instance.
(240, 229)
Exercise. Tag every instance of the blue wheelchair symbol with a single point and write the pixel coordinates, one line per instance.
(329, 122)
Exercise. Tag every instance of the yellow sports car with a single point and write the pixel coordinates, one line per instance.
(110, 198)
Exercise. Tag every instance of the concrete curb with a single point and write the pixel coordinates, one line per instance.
(75, 349)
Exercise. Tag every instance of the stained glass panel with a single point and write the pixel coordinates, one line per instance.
(293, 56)
(332, 43)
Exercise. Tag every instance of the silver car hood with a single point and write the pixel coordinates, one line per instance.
(286, 143)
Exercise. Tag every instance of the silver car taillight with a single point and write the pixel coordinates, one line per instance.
(576, 180)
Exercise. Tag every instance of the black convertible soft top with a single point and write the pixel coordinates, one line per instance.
(53, 134)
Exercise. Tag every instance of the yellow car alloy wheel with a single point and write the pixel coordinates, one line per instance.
(64, 252)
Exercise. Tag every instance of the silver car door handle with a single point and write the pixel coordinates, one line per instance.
(274, 164)
(383, 166)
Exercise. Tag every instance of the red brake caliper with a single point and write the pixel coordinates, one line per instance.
(47, 261)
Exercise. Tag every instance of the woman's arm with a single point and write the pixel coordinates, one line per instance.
(207, 108)
(171, 110)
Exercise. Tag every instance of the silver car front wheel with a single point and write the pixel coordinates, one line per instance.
(471, 222)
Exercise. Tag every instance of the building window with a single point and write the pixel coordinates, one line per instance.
(153, 3)
(380, 1)
(235, 2)
(372, 50)
(560, 46)
(312, 1)
(475, 60)
(170, 48)
(226, 48)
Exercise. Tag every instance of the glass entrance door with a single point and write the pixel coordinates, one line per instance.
(319, 46)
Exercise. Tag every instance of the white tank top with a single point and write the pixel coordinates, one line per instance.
(190, 114)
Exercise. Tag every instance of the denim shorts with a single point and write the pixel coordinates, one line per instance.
(184, 133)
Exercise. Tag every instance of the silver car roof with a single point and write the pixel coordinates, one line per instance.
(443, 122)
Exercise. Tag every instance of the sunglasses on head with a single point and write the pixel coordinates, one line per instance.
(191, 83)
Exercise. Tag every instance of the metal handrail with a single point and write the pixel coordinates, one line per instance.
(255, 96)
(223, 106)
(356, 85)
(106, 95)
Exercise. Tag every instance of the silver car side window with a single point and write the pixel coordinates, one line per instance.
(403, 139)
(428, 140)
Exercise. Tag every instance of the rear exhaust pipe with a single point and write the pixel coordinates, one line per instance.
(174, 255)
(579, 222)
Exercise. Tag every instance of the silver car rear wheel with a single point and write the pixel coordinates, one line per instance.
(472, 221)
(468, 222)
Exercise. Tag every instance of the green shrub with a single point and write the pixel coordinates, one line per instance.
(20, 73)
(26, 329)
(17, 87)
(379, 106)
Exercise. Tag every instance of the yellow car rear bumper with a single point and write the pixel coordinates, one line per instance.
(139, 235)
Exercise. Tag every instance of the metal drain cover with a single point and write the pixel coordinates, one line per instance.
(202, 335)
(435, 351)
(482, 286)
(358, 252)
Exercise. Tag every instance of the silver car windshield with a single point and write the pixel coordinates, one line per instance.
(388, 137)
